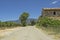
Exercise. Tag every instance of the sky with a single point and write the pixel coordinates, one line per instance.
(12, 9)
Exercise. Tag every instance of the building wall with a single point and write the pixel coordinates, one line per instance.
(51, 13)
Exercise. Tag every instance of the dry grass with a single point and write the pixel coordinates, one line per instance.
(54, 33)
(7, 32)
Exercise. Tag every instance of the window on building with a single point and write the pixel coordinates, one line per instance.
(54, 13)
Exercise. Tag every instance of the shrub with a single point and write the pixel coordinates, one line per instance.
(32, 22)
(8, 24)
(47, 22)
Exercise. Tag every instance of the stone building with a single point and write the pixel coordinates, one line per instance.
(51, 12)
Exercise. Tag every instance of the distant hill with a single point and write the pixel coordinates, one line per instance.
(28, 20)
(16, 21)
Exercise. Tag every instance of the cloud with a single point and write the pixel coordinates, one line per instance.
(54, 2)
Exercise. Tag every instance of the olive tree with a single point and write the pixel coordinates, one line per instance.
(23, 17)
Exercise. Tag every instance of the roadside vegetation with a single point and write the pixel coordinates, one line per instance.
(49, 25)
(9, 24)
(32, 22)
(4, 25)
(23, 18)
(23, 22)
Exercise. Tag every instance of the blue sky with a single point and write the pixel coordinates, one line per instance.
(12, 9)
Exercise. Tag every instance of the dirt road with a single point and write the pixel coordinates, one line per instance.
(27, 33)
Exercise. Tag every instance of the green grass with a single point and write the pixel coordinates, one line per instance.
(50, 26)
(4, 25)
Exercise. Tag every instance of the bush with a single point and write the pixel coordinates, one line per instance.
(47, 22)
(8, 24)
(32, 22)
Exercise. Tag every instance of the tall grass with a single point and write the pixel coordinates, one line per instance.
(49, 24)
(4, 25)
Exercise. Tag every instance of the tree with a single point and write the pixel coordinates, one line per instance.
(33, 22)
(23, 18)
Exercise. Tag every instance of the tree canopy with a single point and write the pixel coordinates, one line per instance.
(23, 17)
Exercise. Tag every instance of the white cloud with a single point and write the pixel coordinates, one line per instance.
(54, 2)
